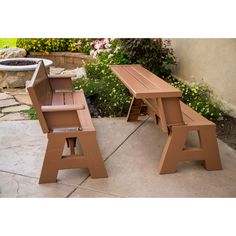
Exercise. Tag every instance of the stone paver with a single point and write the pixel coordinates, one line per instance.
(133, 171)
(8, 102)
(5, 96)
(19, 186)
(23, 98)
(56, 70)
(77, 73)
(14, 117)
(1, 115)
(15, 108)
(21, 95)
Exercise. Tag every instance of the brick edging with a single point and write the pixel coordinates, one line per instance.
(68, 60)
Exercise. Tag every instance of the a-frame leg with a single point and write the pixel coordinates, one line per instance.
(172, 149)
(52, 157)
(209, 143)
(134, 109)
(92, 154)
(175, 151)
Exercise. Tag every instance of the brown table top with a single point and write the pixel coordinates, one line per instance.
(143, 83)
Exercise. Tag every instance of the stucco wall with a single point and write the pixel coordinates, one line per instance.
(212, 61)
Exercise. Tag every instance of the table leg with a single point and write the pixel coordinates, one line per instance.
(134, 109)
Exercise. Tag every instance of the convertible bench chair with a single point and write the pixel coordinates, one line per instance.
(174, 117)
(64, 115)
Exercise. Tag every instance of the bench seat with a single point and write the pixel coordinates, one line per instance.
(192, 118)
(75, 98)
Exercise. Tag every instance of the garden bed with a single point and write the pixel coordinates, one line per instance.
(226, 130)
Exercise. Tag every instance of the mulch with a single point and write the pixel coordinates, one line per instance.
(226, 130)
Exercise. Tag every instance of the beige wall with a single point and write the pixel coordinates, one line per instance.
(212, 61)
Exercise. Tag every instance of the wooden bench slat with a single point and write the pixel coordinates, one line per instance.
(68, 99)
(157, 82)
(192, 117)
(57, 99)
(84, 115)
(140, 78)
(134, 86)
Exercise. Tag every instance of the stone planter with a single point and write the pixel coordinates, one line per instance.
(67, 60)
(16, 76)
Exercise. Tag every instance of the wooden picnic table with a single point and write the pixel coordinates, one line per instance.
(175, 118)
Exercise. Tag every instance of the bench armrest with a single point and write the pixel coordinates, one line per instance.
(55, 108)
(60, 76)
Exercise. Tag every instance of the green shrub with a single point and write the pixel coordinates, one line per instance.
(54, 44)
(198, 97)
(154, 54)
(107, 93)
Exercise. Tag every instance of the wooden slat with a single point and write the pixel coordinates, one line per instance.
(56, 108)
(58, 99)
(192, 116)
(132, 84)
(142, 83)
(158, 82)
(68, 99)
(134, 74)
(84, 115)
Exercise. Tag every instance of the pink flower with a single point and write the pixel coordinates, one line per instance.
(95, 54)
(106, 41)
(171, 51)
(110, 56)
(78, 44)
(167, 42)
(91, 53)
(97, 46)
(107, 45)
(100, 50)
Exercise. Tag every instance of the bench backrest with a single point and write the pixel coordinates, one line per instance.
(40, 93)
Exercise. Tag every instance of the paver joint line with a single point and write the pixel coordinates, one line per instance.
(127, 138)
(27, 176)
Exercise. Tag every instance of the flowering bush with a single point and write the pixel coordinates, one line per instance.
(197, 96)
(104, 90)
(54, 44)
(107, 93)
(154, 54)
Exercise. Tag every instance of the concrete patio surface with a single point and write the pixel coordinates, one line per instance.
(131, 152)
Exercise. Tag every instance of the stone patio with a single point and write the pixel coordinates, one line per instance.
(131, 152)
